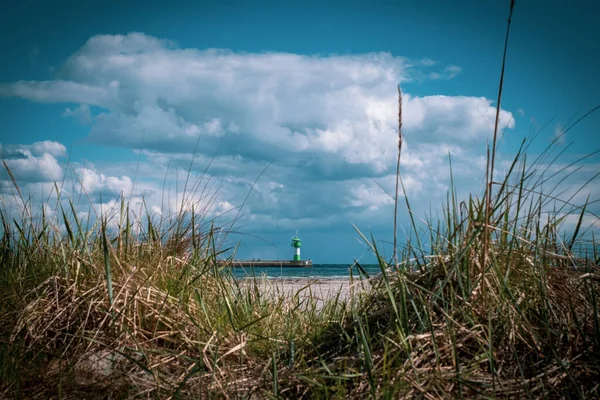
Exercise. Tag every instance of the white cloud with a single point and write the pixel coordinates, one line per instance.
(81, 114)
(427, 62)
(43, 168)
(47, 147)
(34, 163)
(93, 182)
(160, 97)
(58, 91)
(452, 71)
(449, 72)
(444, 118)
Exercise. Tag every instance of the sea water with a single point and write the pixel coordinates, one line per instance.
(322, 271)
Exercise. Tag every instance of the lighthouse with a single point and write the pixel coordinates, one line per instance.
(296, 244)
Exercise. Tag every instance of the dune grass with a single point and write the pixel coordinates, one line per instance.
(492, 301)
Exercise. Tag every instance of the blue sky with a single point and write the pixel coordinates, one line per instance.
(119, 94)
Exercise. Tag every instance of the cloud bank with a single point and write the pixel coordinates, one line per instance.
(328, 124)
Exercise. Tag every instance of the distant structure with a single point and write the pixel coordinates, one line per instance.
(296, 244)
(295, 262)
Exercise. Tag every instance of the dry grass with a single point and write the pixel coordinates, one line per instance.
(171, 326)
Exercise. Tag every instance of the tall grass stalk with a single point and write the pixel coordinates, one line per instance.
(395, 250)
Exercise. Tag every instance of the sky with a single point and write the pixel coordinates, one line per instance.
(284, 114)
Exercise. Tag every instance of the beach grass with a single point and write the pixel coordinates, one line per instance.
(492, 300)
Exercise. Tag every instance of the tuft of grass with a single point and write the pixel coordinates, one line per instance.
(135, 307)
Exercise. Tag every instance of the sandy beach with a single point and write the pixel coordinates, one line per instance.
(320, 289)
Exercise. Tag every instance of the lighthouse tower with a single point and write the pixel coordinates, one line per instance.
(296, 244)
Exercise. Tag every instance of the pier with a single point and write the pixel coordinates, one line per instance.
(296, 262)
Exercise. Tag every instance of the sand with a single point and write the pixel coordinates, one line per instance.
(320, 289)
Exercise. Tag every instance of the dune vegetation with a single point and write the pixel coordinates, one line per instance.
(492, 300)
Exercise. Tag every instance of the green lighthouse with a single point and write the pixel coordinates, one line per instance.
(296, 244)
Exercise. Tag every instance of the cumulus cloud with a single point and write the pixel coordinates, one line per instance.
(160, 97)
(95, 183)
(47, 147)
(34, 163)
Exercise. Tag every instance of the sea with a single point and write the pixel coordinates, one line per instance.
(320, 271)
